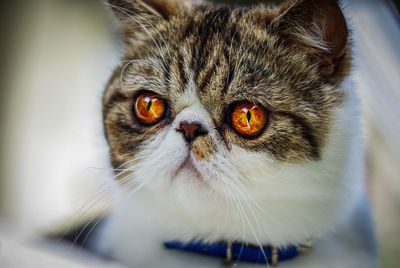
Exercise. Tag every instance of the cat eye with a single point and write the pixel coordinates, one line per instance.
(149, 108)
(248, 119)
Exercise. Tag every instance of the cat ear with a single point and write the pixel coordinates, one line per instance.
(317, 25)
(143, 10)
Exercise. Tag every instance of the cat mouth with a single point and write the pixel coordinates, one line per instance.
(189, 168)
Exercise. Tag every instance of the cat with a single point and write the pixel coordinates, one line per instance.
(235, 128)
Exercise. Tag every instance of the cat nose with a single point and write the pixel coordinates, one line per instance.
(191, 130)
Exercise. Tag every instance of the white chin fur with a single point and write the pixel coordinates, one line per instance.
(242, 195)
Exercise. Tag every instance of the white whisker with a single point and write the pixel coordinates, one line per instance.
(240, 49)
(130, 15)
(229, 56)
(241, 208)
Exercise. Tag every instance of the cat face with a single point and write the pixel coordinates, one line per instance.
(233, 114)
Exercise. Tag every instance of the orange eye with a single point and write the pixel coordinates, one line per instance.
(248, 119)
(149, 108)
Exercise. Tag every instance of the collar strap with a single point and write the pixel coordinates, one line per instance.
(235, 252)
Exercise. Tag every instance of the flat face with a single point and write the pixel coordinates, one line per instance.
(224, 56)
(253, 95)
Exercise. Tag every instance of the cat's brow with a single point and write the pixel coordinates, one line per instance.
(141, 82)
(151, 86)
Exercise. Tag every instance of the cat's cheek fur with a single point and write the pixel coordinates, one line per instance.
(311, 198)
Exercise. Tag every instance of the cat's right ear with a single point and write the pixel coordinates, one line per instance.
(143, 12)
(318, 26)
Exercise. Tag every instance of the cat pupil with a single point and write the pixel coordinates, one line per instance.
(248, 116)
(149, 106)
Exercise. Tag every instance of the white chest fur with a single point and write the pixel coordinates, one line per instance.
(350, 245)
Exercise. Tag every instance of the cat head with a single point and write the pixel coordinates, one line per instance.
(235, 115)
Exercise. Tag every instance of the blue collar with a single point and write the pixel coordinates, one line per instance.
(235, 252)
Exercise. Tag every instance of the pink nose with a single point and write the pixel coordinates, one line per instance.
(191, 131)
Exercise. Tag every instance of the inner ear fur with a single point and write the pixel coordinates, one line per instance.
(318, 26)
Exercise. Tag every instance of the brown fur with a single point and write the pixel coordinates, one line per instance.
(266, 55)
(203, 148)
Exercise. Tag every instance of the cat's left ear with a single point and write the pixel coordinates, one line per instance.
(140, 11)
(317, 25)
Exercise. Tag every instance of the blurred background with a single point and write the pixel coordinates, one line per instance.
(56, 56)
